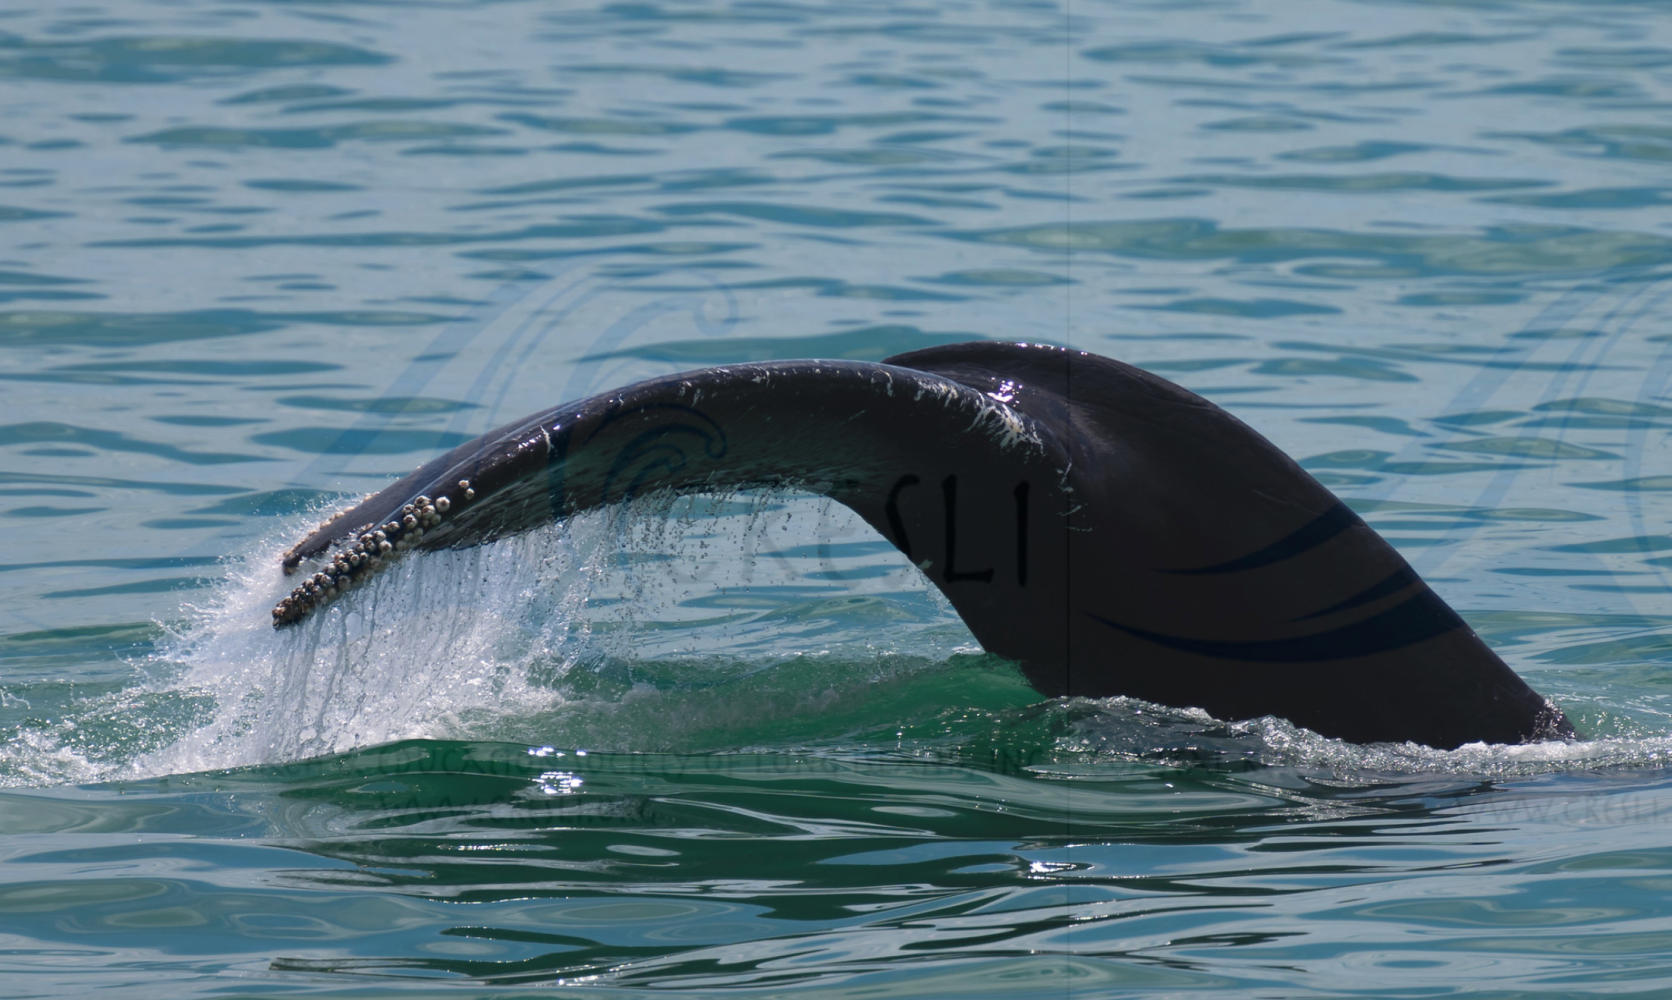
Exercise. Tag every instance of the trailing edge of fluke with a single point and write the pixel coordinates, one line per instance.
(1111, 532)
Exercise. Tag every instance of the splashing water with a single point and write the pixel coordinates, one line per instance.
(663, 597)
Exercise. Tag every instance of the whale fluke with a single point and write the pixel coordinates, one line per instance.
(1109, 531)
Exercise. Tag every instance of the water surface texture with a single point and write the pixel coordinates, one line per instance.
(260, 257)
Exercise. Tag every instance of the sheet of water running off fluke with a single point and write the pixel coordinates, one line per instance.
(259, 258)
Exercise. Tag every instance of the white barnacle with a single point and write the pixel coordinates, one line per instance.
(442, 504)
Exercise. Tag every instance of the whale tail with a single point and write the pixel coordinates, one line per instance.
(1111, 532)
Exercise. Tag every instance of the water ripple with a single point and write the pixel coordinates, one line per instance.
(259, 259)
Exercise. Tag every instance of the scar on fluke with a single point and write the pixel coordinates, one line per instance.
(1109, 531)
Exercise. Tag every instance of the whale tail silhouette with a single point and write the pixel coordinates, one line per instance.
(1111, 532)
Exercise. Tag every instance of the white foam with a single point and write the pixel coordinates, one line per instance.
(1124, 728)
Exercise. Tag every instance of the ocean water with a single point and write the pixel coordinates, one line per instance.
(258, 257)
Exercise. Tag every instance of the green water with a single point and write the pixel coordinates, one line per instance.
(259, 257)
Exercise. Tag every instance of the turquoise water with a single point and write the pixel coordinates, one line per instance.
(257, 258)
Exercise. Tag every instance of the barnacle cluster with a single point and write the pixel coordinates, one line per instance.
(377, 547)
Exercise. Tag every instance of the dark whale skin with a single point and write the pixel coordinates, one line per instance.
(1109, 531)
